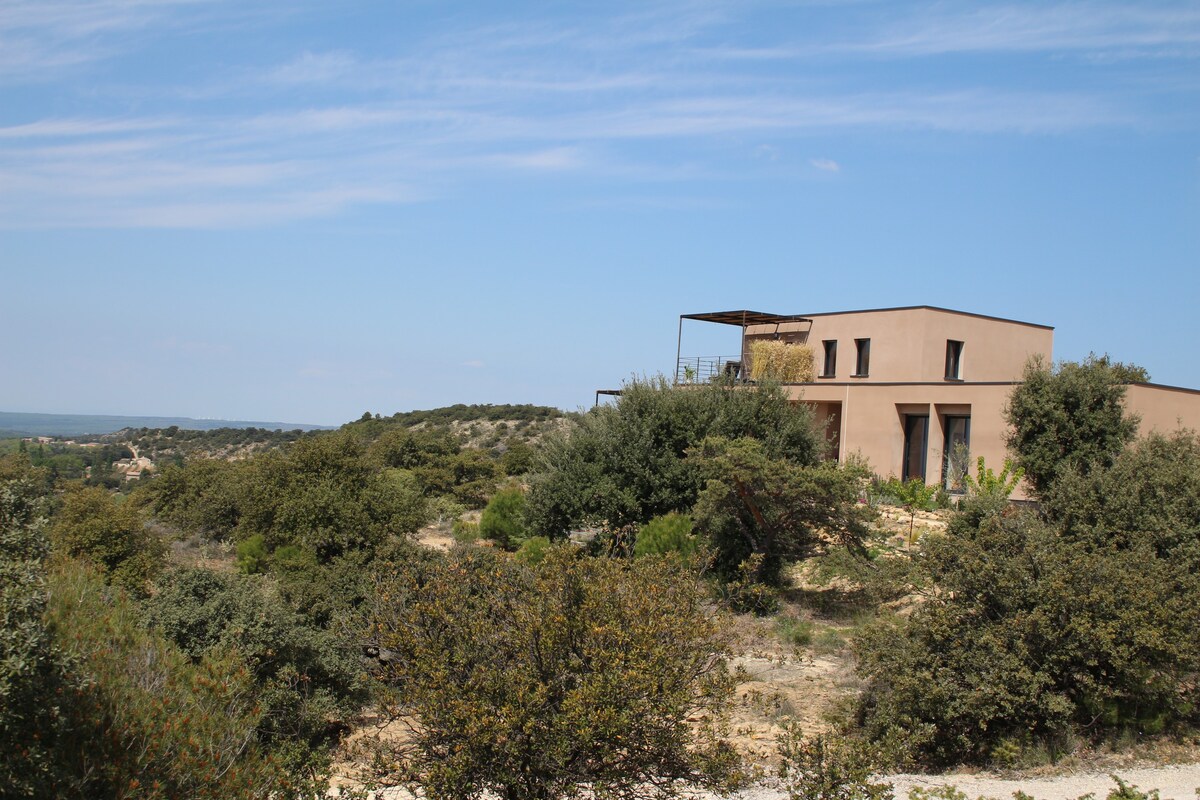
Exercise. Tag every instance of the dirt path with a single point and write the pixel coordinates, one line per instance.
(1176, 782)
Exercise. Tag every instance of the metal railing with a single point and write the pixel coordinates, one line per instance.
(702, 369)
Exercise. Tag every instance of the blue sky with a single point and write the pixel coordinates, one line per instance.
(301, 211)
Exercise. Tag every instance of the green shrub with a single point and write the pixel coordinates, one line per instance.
(305, 682)
(794, 631)
(32, 675)
(111, 535)
(759, 510)
(1070, 417)
(443, 509)
(141, 719)
(670, 533)
(533, 550)
(252, 555)
(947, 792)
(577, 677)
(625, 464)
(914, 495)
(465, 531)
(323, 493)
(1126, 791)
(828, 767)
(503, 520)
(745, 595)
(1033, 635)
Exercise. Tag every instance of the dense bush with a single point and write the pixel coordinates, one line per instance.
(1032, 637)
(625, 464)
(92, 525)
(322, 494)
(140, 718)
(772, 509)
(31, 679)
(203, 497)
(670, 533)
(575, 676)
(307, 684)
(1070, 417)
(92, 706)
(1149, 497)
(503, 520)
(828, 767)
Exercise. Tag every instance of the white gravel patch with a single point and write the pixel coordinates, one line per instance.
(1175, 782)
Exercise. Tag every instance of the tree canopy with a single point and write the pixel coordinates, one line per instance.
(1070, 417)
(625, 464)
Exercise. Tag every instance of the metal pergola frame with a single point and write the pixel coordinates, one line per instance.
(740, 318)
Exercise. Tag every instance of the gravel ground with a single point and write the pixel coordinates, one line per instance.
(1177, 782)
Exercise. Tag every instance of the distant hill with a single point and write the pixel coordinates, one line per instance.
(20, 424)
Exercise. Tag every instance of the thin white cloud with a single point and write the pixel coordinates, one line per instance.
(826, 164)
(767, 151)
(1135, 29)
(266, 169)
(81, 127)
(474, 363)
(396, 127)
(39, 38)
(319, 68)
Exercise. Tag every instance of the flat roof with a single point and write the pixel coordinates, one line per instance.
(932, 308)
(743, 318)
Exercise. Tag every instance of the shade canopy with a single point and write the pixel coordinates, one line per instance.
(743, 318)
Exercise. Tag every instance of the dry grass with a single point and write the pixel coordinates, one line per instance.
(780, 361)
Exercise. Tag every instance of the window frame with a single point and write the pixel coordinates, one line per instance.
(954, 351)
(829, 365)
(862, 358)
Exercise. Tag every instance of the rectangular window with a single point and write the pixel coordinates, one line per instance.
(830, 367)
(862, 364)
(916, 442)
(953, 360)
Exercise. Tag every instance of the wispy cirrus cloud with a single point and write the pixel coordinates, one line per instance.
(39, 38)
(1132, 29)
(264, 169)
(656, 93)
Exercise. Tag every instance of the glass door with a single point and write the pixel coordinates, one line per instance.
(956, 458)
(916, 444)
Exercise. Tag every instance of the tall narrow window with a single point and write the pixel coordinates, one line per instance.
(953, 360)
(862, 365)
(830, 367)
(956, 455)
(916, 443)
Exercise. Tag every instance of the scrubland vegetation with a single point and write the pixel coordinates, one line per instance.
(587, 632)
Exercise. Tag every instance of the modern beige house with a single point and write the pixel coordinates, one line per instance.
(912, 389)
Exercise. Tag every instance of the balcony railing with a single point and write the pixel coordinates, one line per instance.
(702, 369)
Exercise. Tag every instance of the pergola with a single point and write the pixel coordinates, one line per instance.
(741, 318)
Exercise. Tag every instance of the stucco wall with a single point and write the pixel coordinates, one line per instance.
(1163, 408)
(910, 344)
(872, 419)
